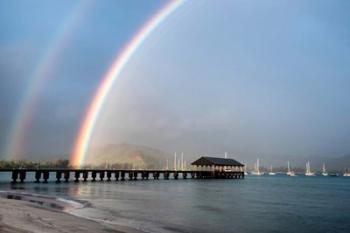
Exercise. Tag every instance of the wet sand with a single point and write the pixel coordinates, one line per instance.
(38, 215)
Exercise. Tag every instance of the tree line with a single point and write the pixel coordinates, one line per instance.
(60, 164)
(16, 164)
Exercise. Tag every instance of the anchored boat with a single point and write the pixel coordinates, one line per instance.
(290, 172)
(346, 173)
(308, 170)
(324, 172)
(271, 173)
(257, 172)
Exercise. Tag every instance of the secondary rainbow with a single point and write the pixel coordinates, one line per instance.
(39, 78)
(87, 127)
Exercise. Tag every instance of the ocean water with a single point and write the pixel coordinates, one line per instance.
(254, 204)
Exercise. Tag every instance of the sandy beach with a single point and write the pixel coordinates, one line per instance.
(34, 215)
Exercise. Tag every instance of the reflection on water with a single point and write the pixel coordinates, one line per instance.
(255, 204)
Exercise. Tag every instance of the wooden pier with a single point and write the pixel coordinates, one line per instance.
(203, 168)
(84, 175)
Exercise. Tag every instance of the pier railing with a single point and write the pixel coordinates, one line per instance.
(65, 175)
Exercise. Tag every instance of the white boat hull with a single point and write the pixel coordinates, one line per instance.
(257, 173)
(310, 174)
(291, 173)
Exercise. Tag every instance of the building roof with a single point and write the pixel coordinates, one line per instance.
(216, 161)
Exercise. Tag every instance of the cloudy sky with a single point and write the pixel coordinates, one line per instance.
(252, 78)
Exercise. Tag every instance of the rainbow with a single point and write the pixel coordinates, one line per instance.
(38, 79)
(87, 127)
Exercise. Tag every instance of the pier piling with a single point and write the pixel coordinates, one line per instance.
(93, 176)
(193, 175)
(85, 176)
(22, 176)
(76, 176)
(176, 175)
(37, 176)
(116, 175)
(58, 176)
(109, 175)
(102, 175)
(166, 175)
(122, 175)
(46, 176)
(14, 176)
(66, 176)
(154, 175)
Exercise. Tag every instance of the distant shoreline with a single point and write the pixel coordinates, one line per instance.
(31, 213)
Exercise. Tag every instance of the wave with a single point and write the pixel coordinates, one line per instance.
(60, 203)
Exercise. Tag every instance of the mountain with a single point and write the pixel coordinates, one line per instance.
(142, 157)
(127, 156)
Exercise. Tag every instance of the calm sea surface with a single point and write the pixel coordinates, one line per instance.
(255, 204)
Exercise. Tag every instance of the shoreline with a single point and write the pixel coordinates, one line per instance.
(31, 213)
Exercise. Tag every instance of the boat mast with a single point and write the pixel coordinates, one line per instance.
(182, 161)
(324, 168)
(288, 167)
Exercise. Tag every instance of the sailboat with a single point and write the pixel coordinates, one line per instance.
(271, 173)
(290, 172)
(324, 172)
(257, 172)
(346, 173)
(308, 170)
(245, 170)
